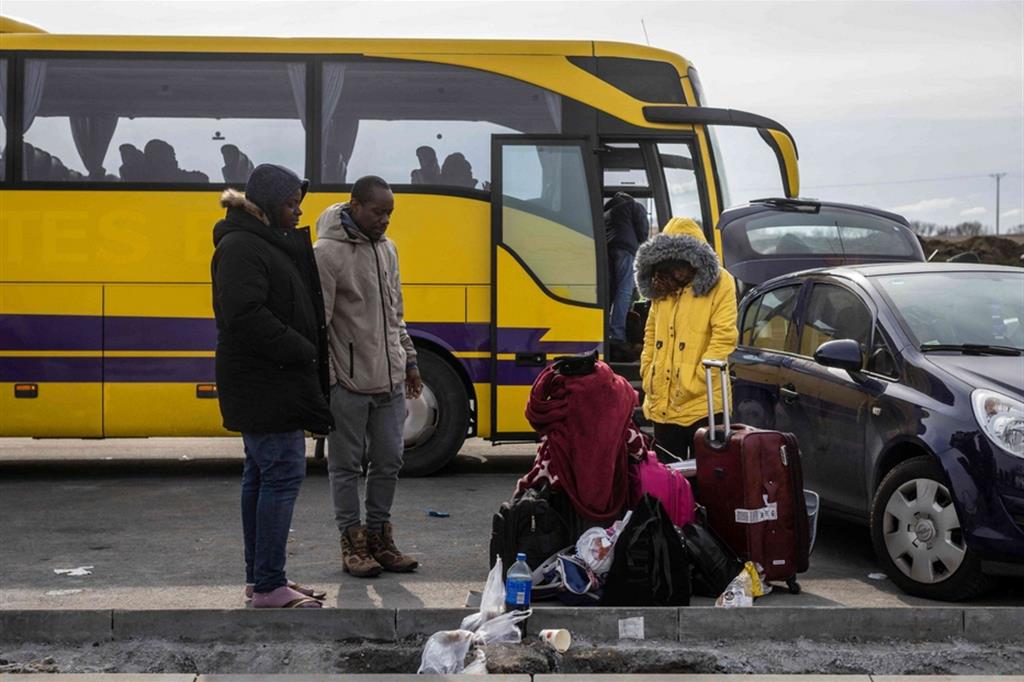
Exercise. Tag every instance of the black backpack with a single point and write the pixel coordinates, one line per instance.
(540, 522)
(650, 567)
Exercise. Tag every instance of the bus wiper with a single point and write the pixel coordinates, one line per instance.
(972, 348)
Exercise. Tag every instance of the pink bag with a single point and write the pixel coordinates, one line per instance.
(670, 488)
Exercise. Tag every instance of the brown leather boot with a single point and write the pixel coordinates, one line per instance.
(382, 548)
(355, 557)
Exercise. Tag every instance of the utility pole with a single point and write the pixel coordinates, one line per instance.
(998, 177)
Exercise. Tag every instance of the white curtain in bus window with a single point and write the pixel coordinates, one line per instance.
(683, 191)
(3, 119)
(158, 120)
(547, 218)
(423, 124)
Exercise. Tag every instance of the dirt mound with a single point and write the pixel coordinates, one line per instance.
(993, 250)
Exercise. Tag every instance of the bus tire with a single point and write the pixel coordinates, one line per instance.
(437, 421)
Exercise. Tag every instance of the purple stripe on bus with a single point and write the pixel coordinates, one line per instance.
(160, 333)
(527, 339)
(456, 336)
(74, 370)
(511, 374)
(478, 369)
(51, 332)
(159, 370)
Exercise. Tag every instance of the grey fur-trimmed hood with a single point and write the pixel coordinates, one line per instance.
(681, 240)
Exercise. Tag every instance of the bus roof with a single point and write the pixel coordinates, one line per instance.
(21, 36)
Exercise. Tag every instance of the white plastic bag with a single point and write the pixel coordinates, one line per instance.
(492, 601)
(504, 629)
(445, 652)
(596, 546)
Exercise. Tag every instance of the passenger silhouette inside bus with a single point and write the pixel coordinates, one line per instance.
(237, 165)
(429, 172)
(133, 163)
(457, 171)
(162, 165)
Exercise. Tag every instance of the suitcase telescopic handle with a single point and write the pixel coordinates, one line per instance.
(722, 367)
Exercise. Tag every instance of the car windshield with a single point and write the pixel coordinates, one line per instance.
(959, 308)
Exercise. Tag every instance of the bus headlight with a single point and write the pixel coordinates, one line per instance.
(1001, 418)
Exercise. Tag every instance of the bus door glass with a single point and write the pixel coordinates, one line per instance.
(546, 296)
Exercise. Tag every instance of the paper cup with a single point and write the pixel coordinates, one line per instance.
(558, 639)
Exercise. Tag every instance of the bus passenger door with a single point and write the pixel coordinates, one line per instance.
(547, 286)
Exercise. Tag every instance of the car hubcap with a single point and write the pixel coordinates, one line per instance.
(421, 416)
(922, 531)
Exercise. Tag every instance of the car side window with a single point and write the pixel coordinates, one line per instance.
(834, 313)
(881, 359)
(767, 321)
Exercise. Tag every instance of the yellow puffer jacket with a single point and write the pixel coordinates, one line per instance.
(693, 325)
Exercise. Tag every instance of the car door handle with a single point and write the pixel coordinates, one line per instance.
(789, 394)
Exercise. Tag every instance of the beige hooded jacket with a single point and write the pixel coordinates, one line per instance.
(370, 348)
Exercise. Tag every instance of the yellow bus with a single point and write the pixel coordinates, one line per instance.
(115, 149)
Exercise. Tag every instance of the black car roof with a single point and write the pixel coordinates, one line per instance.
(867, 271)
(796, 205)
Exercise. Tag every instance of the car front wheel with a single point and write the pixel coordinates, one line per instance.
(917, 535)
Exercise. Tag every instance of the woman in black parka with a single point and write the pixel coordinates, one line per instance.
(272, 377)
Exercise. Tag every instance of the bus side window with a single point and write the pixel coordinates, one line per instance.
(683, 190)
(159, 120)
(422, 123)
(3, 120)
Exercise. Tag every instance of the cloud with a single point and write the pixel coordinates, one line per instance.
(1012, 213)
(927, 205)
(972, 212)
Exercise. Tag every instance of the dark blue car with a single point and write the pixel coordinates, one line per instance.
(904, 383)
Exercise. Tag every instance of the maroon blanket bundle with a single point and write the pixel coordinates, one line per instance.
(586, 427)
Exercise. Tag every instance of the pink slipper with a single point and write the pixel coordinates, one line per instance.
(308, 591)
(283, 597)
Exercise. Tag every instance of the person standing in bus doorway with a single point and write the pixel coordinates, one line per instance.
(692, 318)
(626, 228)
(271, 365)
(373, 370)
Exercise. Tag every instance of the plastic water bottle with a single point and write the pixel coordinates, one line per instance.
(518, 585)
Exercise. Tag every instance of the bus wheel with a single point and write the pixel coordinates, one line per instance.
(437, 421)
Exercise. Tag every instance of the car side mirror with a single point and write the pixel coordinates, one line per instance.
(842, 354)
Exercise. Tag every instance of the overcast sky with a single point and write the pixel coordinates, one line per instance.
(903, 105)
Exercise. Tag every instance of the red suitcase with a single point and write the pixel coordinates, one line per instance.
(751, 483)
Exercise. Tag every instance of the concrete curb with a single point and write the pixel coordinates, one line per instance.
(697, 623)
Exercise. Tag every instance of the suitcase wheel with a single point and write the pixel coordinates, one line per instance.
(793, 585)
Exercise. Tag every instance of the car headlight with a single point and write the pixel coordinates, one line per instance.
(1001, 418)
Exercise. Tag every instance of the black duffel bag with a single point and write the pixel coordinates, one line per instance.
(713, 564)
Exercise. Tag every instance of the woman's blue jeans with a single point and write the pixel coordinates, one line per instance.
(275, 464)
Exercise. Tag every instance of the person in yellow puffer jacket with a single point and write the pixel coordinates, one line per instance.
(692, 318)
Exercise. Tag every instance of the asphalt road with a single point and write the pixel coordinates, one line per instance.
(158, 522)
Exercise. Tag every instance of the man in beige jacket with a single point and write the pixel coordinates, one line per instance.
(372, 371)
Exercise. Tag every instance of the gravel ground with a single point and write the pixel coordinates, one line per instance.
(745, 657)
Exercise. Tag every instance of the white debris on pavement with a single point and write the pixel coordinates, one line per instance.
(877, 576)
(81, 570)
(631, 628)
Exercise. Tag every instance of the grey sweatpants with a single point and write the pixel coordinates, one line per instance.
(370, 424)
